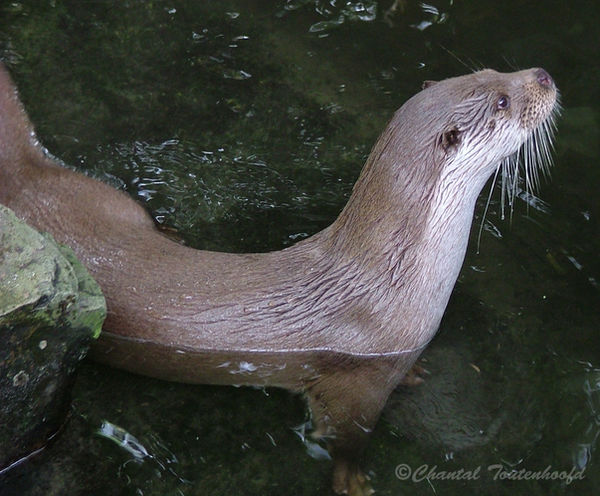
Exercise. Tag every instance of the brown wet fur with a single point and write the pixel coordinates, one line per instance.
(341, 316)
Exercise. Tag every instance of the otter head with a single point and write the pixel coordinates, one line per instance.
(443, 144)
(491, 119)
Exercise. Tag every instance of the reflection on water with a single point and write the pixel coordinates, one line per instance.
(189, 188)
(160, 461)
(582, 454)
(124, 440)
(336, 14)
(244, 125)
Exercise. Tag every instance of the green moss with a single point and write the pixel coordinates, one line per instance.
(43, 283)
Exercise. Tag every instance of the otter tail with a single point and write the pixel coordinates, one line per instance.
(17, 137)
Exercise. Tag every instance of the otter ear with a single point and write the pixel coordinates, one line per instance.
(450, 138)
(428, 83)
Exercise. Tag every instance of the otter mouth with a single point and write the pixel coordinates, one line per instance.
(521, 171)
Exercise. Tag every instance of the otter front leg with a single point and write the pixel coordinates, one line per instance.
(345, 406)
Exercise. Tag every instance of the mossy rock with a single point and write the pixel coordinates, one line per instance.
(50, 311)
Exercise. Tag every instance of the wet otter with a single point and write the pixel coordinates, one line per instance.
(340, 316)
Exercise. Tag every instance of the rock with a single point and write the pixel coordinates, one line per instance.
(50, 311)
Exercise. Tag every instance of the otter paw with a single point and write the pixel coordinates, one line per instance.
(349, 479)
(414, 376)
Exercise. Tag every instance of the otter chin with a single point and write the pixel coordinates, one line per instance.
(339, 317)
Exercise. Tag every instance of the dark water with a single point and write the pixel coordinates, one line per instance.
(244, 125)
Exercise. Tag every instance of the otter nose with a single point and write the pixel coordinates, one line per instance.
(543, 78)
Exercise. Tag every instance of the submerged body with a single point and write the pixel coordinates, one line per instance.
(340, 316)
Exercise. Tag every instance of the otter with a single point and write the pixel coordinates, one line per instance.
(340, 316)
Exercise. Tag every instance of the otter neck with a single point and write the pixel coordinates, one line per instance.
(406, 225)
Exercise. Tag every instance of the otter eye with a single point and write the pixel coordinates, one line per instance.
(503, 103)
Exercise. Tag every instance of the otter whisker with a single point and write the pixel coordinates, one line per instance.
(510, 174)
(534, 157)
(487, 205)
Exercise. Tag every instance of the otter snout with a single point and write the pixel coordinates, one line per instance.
(543, 78)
